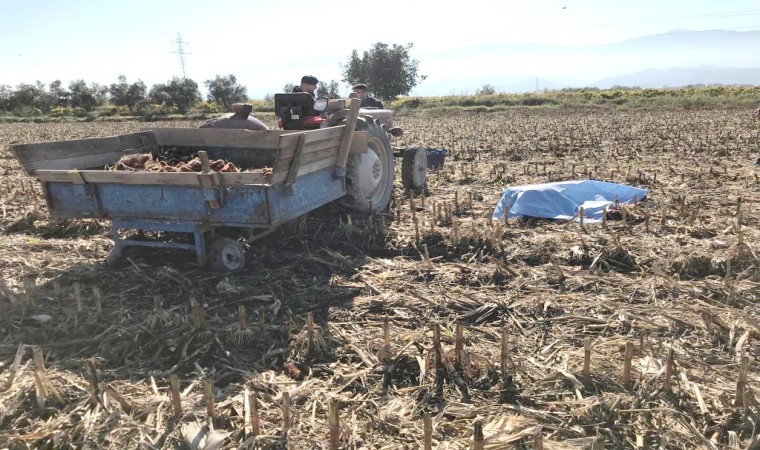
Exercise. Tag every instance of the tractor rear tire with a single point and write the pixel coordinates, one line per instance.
(369, 175)
(414, 169)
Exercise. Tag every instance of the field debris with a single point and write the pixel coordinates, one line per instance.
(146, 162)
(429, 325)
(170, 159)
(175, 159)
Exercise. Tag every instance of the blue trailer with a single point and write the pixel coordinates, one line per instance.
(290, 172)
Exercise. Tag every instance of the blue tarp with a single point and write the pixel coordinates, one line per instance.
(562, 200)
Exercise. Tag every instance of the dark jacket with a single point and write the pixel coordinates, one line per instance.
(371, 102)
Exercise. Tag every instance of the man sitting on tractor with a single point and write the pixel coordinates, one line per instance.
(308, 85)
(367, 102)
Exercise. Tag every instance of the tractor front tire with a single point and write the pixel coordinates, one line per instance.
(369, 175)
(414, 168)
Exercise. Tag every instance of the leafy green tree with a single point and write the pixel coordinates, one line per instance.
(388, 71)
(486, 89)
(31, 98)
(6, 98)
(25, 96)
(328, 90)
(159, 94)
(86, 97)
(181, 93)
(137, 95)
(225, 90)
(118, 91)
(59, 95)
(288, 87)
(133, 96)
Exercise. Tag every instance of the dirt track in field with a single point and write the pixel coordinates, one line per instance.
(681, 273)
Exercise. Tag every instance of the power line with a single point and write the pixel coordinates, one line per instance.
(181, 52)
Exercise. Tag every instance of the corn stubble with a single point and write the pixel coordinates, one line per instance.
(427, 325)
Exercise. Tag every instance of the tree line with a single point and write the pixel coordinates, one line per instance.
(176, 95)
(388, 70)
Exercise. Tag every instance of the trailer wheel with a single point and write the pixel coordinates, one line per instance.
(369, 175)
(226, 255)
(414, 168)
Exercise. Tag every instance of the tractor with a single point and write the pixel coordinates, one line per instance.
(369, 175)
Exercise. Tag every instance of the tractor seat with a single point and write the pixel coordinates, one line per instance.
(296, 111)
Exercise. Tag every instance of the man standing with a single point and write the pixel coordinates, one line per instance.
(367, 102)
(308, 85)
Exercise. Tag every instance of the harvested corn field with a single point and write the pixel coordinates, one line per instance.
(424, 326)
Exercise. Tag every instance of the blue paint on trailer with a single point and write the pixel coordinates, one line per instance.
(257, 206)
(190, 209)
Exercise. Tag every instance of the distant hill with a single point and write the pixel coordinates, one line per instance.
(538, 84)
(681, 58)
(684, 76)
(674, 43)
(676, 58)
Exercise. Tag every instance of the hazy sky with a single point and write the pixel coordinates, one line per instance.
(257, 41)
